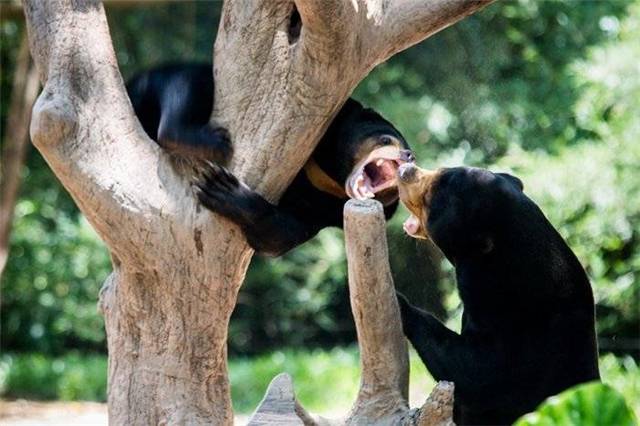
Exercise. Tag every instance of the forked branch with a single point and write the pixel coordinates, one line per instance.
(84, 125)
(297, 82)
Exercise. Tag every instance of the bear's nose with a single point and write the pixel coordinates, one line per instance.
(407, 172)
(406, 155)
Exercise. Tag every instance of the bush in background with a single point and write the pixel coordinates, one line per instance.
(70, 377)
(591, 191)
(325, 381)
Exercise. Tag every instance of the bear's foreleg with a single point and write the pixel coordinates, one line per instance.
(269, 230)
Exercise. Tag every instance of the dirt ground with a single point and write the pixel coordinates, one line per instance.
(31, 413)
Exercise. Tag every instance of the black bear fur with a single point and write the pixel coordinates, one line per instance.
(528, 326)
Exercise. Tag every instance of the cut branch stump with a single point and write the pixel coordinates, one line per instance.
(384, 360)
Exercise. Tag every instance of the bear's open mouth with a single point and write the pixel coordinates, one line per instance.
(375, 173)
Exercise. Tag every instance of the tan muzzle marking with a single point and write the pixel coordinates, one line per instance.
(416, 187)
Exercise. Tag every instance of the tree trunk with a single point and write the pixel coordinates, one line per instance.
(177, 268)
(16, 137)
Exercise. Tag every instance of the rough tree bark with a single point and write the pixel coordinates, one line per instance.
(16, 138)
(176, 267)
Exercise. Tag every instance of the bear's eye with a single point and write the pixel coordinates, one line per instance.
(385, 140)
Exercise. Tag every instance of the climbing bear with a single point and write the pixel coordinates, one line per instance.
(358, 157)
(528, 327)
(174, 103)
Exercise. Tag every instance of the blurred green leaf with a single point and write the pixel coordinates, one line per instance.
(590, 404)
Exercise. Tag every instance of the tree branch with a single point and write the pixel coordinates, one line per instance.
(315, 72)
(84, 125)
(325, 18)
(407, 22)
(384, 358)
(260, 76)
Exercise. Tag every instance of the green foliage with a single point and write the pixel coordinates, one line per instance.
(590, 191)
(299, 298)
(623, 374)
(10, 37)
(71, 377)
(590, 404)
(56, 267)
(325, 381)
(191, 40)
(500, 77)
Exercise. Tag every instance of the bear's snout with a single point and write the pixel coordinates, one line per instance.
(416, 186)
(407, 172)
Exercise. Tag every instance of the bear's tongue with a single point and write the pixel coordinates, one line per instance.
(380, 171)
(411, 225)
(374, 174)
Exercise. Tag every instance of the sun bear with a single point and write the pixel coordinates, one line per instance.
(357, 157)
(528, 326)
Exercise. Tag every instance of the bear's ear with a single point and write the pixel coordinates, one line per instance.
(514, 180)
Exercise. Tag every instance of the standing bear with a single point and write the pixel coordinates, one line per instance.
(528, 326)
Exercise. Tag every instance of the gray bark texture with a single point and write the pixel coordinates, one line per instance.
(177, 268)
